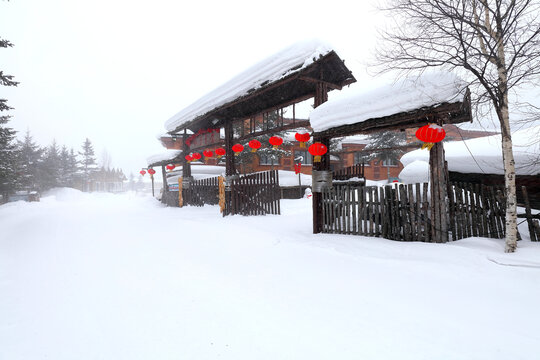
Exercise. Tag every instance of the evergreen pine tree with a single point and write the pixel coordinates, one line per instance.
(88, 164)
(29, 162)
(385, 146)
(8, 150)
(51, 168)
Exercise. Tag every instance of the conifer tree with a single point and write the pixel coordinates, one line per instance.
(29, 162)
(88, 164)
(51, 167)
(8, 151)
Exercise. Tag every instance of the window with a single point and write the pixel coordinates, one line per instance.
(307, 159)
(361, 157)
(389, 162)
(266, 159)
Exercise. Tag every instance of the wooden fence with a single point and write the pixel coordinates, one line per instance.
(255, 194)
(402, 212)
(201, 192)
(476, 210)
(349, 172)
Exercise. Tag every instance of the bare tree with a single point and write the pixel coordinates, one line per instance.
(496, 42)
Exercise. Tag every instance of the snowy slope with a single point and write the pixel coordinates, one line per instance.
(355, 105)
(121, 277)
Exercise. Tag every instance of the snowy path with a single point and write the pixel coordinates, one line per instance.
(120, 277)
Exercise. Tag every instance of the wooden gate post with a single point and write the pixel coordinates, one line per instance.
(230, 167)
(439, 191)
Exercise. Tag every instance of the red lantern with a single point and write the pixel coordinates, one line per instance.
(196, 156)
(303, 138)
(142, 172)
(208, 154)
(220, 152)
(188, 158)
(151, 171)
(430, 134)
(275, 141)
(254, 145)
(238, 148)
(170, 167)
(317, 150)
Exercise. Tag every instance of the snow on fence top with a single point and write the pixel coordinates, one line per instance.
(276, 67)
(487, 152)
(408, 94)
(164, 156)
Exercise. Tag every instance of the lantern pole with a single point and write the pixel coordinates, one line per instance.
(164, 175)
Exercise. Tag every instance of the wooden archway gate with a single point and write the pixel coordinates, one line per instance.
(446, 113)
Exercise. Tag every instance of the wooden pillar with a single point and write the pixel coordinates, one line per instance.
(186, 166)
(439, 190)
(321, 96)
(230, 168)
(164, 176)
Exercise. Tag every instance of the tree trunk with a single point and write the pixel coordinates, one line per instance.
(509, 184)
(507, 153)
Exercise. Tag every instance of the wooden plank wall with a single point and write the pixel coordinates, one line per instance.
(402, 212)
(256, 194)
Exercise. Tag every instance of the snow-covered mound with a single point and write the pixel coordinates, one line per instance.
(415, 172)
(276, 67)
(63, 194)
(407, 94)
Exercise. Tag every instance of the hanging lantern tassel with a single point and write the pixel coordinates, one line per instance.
(238, 148)
(302, 138)
(254, 145)
(430, 134)
(317, 150)
(275, 141)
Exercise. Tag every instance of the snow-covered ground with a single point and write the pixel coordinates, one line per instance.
(100, 276)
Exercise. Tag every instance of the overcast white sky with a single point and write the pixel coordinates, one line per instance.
(115, 70)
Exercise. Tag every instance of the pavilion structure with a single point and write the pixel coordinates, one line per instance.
(239, 107)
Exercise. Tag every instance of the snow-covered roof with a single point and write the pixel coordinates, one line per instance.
(276, 67)
(408, 94)
(487, 152)
(164, 156)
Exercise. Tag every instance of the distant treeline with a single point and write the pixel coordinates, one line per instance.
(28, 166)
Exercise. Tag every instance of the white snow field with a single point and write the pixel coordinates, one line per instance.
(99, 276)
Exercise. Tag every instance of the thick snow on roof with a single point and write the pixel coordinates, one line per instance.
(278, 66)
(408, 94)
(164, 156)
(487, 152)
